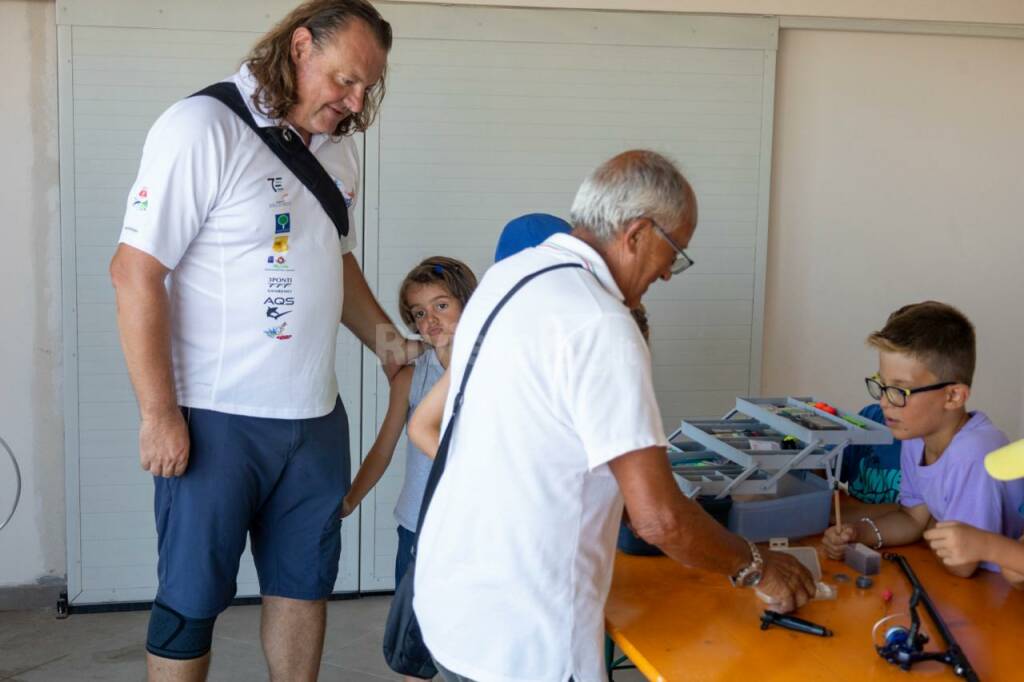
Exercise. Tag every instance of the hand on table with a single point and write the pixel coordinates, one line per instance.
(787, 584)
(957, 543)
(836, 539)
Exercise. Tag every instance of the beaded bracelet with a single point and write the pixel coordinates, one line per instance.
(878, 533)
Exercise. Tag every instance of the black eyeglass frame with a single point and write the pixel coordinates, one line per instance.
(903, 393)
(683, 261)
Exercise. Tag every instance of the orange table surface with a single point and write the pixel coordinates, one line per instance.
(676, 623)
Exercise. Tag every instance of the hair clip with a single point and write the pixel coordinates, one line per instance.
(438, 269)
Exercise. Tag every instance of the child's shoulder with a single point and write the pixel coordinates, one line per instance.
(427, 358)
(977, 438)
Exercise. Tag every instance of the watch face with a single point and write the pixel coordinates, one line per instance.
(752, 578)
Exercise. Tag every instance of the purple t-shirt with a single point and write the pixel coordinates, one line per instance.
(957, 487)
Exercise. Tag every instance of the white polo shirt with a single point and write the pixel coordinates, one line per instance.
(256, 282)
(515, 554)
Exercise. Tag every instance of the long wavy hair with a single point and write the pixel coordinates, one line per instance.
(271, 64)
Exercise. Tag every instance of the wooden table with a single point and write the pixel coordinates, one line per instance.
(677, 624)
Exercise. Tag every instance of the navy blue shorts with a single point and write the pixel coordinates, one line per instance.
(279, 481)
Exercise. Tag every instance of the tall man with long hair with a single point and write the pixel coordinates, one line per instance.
(231, 279)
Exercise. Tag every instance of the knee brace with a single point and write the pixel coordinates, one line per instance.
(173, 635)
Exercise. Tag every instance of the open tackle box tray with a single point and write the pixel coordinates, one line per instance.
(798, 417)
(762, 441)
(703, 473)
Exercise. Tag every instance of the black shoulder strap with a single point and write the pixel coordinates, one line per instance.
(437, 468)
(293, 153)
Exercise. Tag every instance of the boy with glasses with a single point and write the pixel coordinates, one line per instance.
(926, 355)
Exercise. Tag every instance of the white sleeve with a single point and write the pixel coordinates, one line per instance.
(178, 181)
(351, 241)
(610, 389)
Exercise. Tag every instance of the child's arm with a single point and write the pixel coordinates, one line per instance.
(959, 545)
(899, 527)
(425, 422)
(1013, 570)
(852, 508)
(976, 504)
(379, 456)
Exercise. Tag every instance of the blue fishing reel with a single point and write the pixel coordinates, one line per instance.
(903, 646)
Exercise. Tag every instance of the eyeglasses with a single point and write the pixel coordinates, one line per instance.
(682, 261)
(896, 395)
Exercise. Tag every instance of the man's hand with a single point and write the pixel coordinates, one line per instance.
(958, 543)
(787, 584)
(164, 444)
(836, 539)
(396, 356)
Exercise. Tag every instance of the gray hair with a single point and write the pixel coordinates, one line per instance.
(634, 184)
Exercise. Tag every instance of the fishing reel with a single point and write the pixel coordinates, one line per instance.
(903, 646)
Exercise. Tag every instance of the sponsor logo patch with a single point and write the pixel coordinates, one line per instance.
(346, 195)
(141, 200)
(278, 333)
(278, 284)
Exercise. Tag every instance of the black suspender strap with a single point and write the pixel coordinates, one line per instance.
(288, 147)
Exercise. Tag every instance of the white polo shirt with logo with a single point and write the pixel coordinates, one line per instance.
(515, 555)
(256, 271)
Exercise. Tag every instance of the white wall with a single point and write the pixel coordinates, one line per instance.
(32, 546)
(881, 141)
(897, 177)
(982, 11)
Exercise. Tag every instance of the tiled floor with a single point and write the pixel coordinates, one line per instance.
(35, 646)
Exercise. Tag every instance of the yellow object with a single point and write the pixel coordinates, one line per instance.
(1007, 462)
(281, 244)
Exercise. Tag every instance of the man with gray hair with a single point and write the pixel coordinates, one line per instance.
(559, 425)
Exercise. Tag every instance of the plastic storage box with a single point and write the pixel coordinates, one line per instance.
(800, 508)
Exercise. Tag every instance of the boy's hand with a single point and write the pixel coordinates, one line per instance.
(836, 539)
(1015, 579)
(957, 543)
(346, 507)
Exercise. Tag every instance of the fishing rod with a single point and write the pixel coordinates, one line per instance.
(905, 647)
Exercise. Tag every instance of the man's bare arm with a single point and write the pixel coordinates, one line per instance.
(143, 318)
(663, 516)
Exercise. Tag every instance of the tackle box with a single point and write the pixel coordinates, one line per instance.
(770, 448)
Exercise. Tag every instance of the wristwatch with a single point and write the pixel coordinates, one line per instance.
(751, 574)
